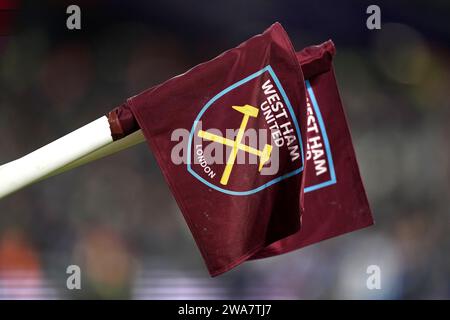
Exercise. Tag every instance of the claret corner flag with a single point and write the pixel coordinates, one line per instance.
(255, 148)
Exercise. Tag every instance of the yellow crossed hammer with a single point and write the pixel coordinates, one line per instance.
(264, 155)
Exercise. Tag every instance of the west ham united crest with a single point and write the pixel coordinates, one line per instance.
(247, 137)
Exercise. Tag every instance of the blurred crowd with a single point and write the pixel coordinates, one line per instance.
(116, 218)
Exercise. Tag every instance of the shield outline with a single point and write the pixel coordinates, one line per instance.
(323, 131)
(268, 69)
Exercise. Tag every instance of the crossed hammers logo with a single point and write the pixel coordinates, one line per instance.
(264, 155)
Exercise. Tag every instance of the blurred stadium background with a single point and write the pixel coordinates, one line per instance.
(123, 228)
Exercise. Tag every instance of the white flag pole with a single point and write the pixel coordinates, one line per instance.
(43, 162)
(109, 149)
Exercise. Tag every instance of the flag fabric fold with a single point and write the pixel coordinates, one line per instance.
(255, 148)
(334, 196)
